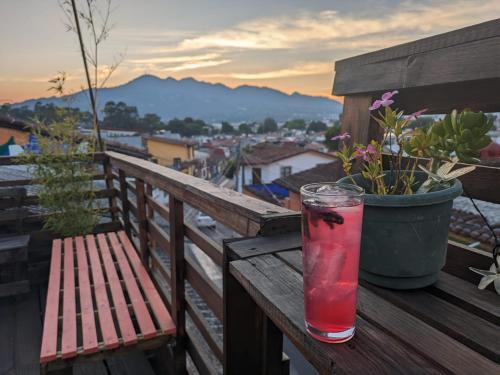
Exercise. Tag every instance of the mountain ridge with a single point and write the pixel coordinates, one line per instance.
(213, 102)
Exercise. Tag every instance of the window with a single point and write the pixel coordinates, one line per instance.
(256, 176)
(286, 171)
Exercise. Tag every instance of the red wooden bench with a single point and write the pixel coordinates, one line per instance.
(100, 297)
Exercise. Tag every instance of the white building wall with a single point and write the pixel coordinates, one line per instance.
(272, 171)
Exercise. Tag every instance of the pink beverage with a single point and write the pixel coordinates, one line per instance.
(332, 216)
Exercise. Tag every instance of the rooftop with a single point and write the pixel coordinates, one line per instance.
(322, 172)
(172, 141)
(267, 153)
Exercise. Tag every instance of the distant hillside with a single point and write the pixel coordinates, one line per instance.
(171, 98)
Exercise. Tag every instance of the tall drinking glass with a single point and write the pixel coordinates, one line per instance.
(332, 215)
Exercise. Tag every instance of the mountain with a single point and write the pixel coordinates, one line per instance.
(171, 98)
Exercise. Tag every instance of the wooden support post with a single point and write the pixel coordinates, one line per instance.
(252, 343)
(124, 198)
(108, 173)
(177, 264)
(356, 120)
(143, 222)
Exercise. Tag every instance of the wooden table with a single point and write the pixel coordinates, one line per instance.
(450, 327)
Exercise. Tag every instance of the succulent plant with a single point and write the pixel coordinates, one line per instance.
(461, 134)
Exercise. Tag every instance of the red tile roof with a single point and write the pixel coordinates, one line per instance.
(267, 153)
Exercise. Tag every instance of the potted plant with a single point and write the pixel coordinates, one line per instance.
(408, 205)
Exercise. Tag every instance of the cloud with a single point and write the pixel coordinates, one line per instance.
(175, 59)
(297, 70)
(330, 27)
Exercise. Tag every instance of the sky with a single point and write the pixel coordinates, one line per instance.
(290, 45)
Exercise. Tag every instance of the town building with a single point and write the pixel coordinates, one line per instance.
(174, 153)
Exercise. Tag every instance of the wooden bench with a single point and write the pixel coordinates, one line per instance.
(100, 297)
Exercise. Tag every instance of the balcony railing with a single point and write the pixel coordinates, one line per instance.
(160, 230)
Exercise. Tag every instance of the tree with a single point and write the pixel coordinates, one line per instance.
(268, 126)
(227, 128)
(95, 16)
(64, 168)
(332, 131)
(296, 124)
(317, 126)
(152, 122)
(121, 116)
(244, 128)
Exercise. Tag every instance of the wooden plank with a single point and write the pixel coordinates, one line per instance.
(480, 335)
(203, 359)
(68, 343)
(89, 368)
(206, 331)
(50, 329)
(254, 246)
(157, 206)
(279, 292)
(14, 288)
(205, 287)
(142, 220)
(177, 272)
(106, 323)
(461, 55)
(466, 295)
(426, 339)
(459, 258)
(209, 246)
(127, 329)
(14, 248)
(158, 235)
(239, 212)
(161, 313)
(89, 333)
(144, 320)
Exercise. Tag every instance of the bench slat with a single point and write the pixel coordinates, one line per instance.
(125, 322)
(146, 324)
(89, 335)
(164, 319)
(108, 330)
(49, 337)
(68, 345)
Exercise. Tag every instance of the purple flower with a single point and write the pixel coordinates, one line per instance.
(385, 101)
(414, 115)
(341, 137)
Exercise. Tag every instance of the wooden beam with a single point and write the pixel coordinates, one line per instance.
(238, 211)
(142, 218)
(468, 54)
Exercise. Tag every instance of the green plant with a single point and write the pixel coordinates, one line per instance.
(64, 170)
(458, 137)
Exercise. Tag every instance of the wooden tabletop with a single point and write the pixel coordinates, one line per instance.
(450, 327)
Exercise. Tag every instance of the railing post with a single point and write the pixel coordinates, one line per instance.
(108, 175)
(176, 219)
(124, 198)
(143, 222)
(150, 210)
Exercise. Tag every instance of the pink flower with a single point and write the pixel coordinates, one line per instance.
(414, 115)
(385, 101)
(366, 153)
(341, 137)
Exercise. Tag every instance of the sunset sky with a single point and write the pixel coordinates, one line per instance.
(290, 45)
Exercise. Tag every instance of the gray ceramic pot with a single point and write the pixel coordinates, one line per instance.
(404, 238)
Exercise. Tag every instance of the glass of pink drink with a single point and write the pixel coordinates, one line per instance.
(332, 215)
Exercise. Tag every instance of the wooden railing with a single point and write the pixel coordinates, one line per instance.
(185, 285)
